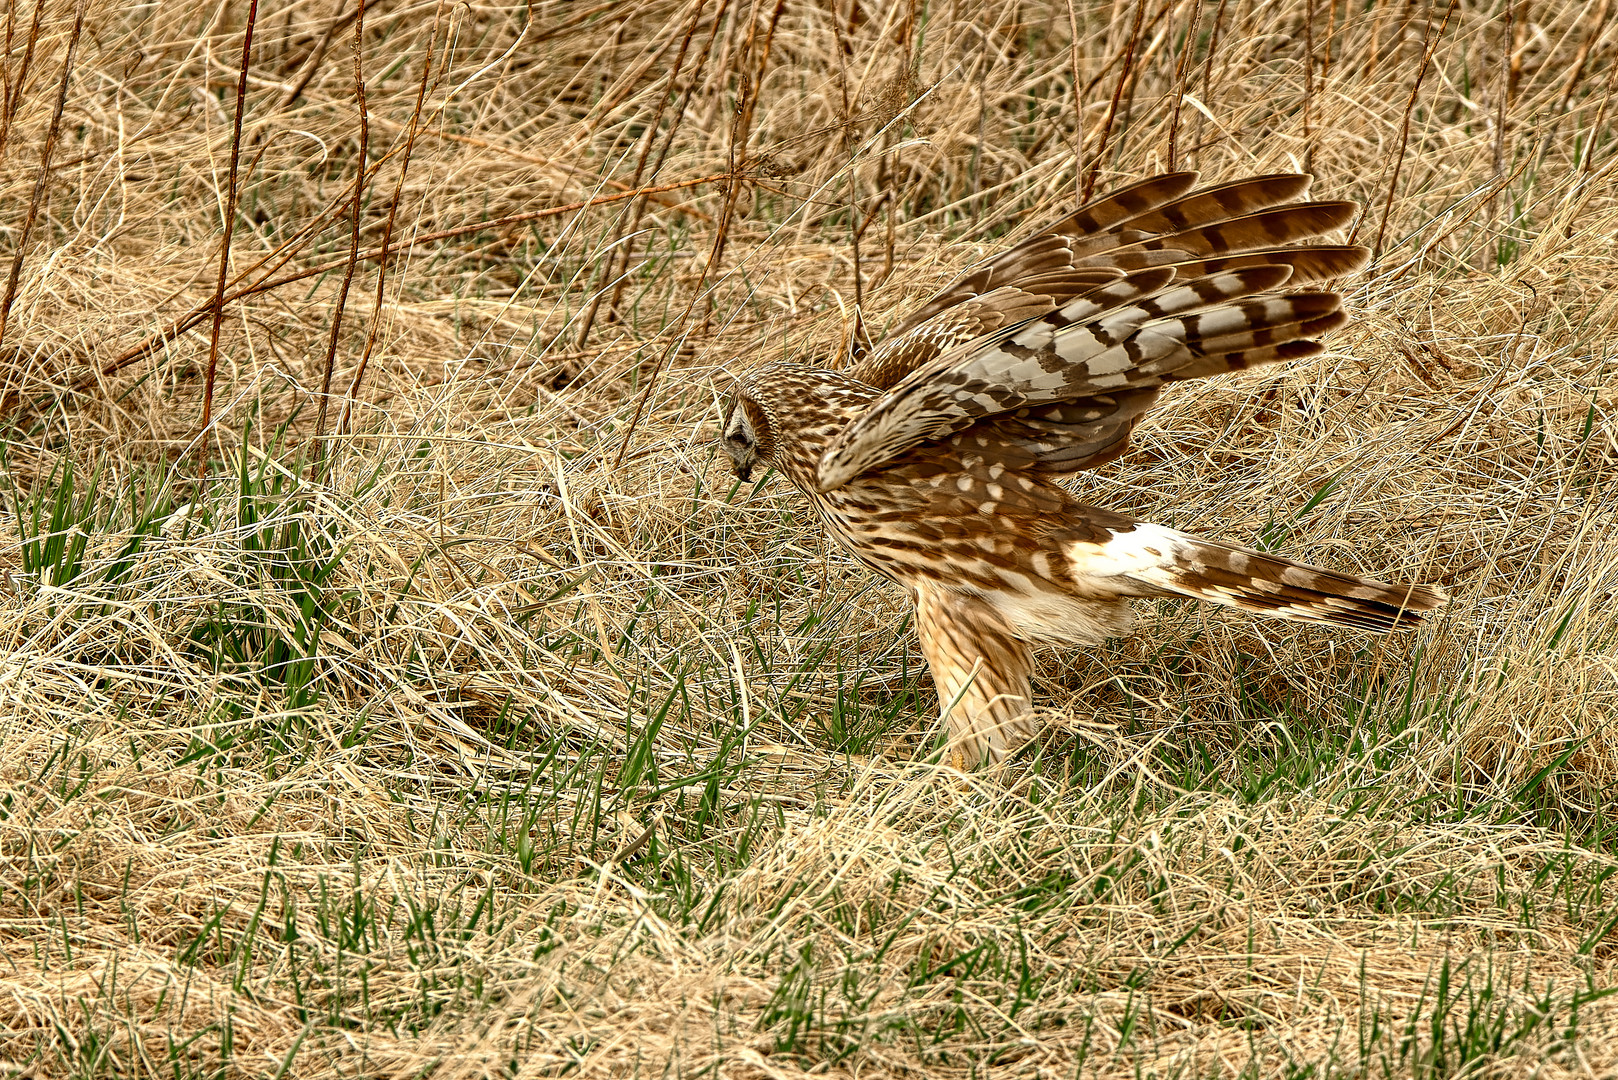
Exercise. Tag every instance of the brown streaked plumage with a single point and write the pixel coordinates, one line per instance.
(933, 458)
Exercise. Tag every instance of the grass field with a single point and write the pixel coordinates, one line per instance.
(397, 684)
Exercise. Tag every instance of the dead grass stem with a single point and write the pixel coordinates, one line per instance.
(522, 741)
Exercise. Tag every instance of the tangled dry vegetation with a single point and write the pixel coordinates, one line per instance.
(399, 687)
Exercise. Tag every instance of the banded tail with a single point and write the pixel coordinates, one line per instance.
(1178, 564)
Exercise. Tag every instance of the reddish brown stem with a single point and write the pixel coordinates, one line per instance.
(1112, 106)
(1404, 140)
(1207, 71)
(387, 230)
(318, 468)
(1186, 50)
(748, 100)
(224, 240)
(1308, 85)
(746, 104)
(14, 86)
(620, 254)
(43, 179)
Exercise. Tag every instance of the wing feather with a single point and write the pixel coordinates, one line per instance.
(1138, 331)
(904, 352)
(1056, 348)
(1153, 222)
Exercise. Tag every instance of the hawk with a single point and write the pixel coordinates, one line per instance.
(933, 457)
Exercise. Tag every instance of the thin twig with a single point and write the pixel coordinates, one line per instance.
(339, 20)
(622, 275)
(1508, 39)
(1404, 139)
(1112, 107)
(746, 103)
(317, 469)
(43, 179)
(1073, 68)
(619, 254)
(1576, 69)
(738, 146)
(843, 48)
(1179, 82)
(1308, 85)
(5, 73)
(218, 306)
(266, 284)
(387, 230)
(14, 87)
(1207, 74)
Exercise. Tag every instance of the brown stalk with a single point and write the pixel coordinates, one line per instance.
(267, 284)
(1331, 36)
(1588, 157)
(1179, 82)
(218, 305)
(1147, 30)
(312, 64)
(1404, 138)
(1308, 84)
(1507, 44)
(619, 254)
(14, 87)
(318, 467)
(1143, 63)
(1576, 69)
(622, 279)
(983, 63)
(43, 178)
(843, 50)
(5, 73)
(738, 146)
(387, 230)
(885, 182)
(1074, 68)
(628, 84)
(1112, 106)
(1207, 72)
(905, 39)
(580, 19)
(1523, 21)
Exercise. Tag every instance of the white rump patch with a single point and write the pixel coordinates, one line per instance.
(1145, 547)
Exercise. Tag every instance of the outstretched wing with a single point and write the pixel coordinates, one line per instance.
(1071, 383)
(1151, 223)
(904, 351)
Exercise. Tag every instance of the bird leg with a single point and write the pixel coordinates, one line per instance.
(982, 673)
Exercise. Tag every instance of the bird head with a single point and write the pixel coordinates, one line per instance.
(745, 434)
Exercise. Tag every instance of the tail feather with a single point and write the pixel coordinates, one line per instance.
(1174, 563)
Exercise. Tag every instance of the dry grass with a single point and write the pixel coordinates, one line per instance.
(515, 740)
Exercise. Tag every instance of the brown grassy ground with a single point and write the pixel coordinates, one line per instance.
(516, 740)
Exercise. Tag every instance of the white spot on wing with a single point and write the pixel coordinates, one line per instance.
(1294, 575)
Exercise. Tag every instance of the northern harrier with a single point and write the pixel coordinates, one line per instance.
(933, 457)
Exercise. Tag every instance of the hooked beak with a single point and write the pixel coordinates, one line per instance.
(744, 473)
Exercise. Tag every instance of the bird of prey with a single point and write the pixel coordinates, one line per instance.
(933, 457)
